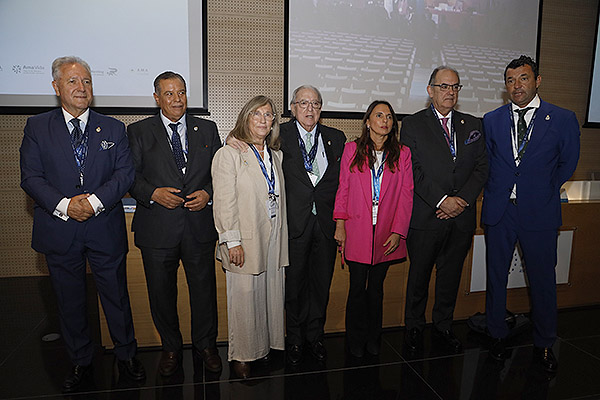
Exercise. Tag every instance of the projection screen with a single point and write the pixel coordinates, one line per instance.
(357, 51)
(126, 43)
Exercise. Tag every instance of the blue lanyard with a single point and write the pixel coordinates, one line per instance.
(520, 146)
(449, 139)
(271, 180)
(377, 179)
(309, 158)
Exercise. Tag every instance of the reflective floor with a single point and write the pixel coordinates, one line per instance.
(33, 365)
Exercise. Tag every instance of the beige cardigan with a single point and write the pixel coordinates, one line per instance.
(240, 208)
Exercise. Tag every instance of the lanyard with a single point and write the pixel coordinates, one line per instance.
(449, 139)
(377, 179)
(309, 158)
(519, 147)
(271, 180)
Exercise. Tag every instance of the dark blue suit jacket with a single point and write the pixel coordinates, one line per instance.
(49, 173)
(549, 161)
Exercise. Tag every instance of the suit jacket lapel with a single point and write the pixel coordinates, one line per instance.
(435, 129)
(540, 127)
(193, 138)
(250, 162)
(160, 134)
(504, 136)
(94, 131)
(63, 138)
(296, 153)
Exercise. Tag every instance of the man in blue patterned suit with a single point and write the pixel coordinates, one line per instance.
(76, 165)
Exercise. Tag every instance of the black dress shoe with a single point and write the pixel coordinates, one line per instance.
(294, 354)
(357, 351)
(133, 368)
(449, 339)
(210, 357)
(169, 362)
(498, 349)
(373, 348)
(545, 356)
(318, 351)
(75, 376)
(413, 338)
(241, 369)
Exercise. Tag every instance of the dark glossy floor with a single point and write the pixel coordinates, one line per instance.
(31, 367)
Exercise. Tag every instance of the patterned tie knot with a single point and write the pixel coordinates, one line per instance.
(523, 111)
(76, 132)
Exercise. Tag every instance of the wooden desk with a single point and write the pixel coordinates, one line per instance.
(582, 289)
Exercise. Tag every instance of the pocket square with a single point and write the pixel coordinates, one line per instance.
(104, 145)
(473, 137)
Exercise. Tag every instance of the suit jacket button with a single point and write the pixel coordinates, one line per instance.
(517, 174)
(77, 186)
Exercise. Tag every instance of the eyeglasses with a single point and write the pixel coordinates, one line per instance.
(305, 103)
(269, 116)
(444, 87)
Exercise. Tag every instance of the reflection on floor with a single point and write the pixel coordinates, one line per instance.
(31, 367)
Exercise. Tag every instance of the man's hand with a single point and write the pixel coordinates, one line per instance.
(198, 200)
(236, 144)
(451, 207)
(236, 256)
(165, 197)
(80, 208)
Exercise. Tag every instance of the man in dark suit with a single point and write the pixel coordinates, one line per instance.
(76, 166)
(450, 167)
(173, 221)
(311, 166)
(533, 148)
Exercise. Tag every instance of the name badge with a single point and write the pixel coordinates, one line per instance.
(272, 206)
(375, 210)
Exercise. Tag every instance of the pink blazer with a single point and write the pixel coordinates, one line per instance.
(353, 203)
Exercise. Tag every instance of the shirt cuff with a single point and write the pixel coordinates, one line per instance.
(233, 243)
(441, 201)
(96, 204)
(61, 209)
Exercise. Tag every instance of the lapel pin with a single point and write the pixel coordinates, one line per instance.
(462, 121)
(245, 162)
(329, 143)
(547, 117)
(195, 128)
(98, 129)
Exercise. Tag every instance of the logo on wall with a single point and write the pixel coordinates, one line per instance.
(112, 71)
(17, 69)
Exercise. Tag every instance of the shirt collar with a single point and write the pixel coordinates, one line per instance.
(534, 103)
(303, 131)
(440, 116)
(83, 119)
(166, 121)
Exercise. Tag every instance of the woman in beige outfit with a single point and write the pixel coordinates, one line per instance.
(250, 217)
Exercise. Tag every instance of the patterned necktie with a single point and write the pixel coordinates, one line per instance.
(79, 144)
(176, 145)
(522, 129)
(315, 165)
(77, 134)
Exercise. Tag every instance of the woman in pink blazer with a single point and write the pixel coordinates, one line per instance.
(372, 212)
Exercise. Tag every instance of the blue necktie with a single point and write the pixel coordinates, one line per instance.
(176, 145)
(79, 144)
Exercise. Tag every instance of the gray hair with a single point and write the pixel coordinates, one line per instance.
(442, 68)
(60, 61)
(299, 88)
